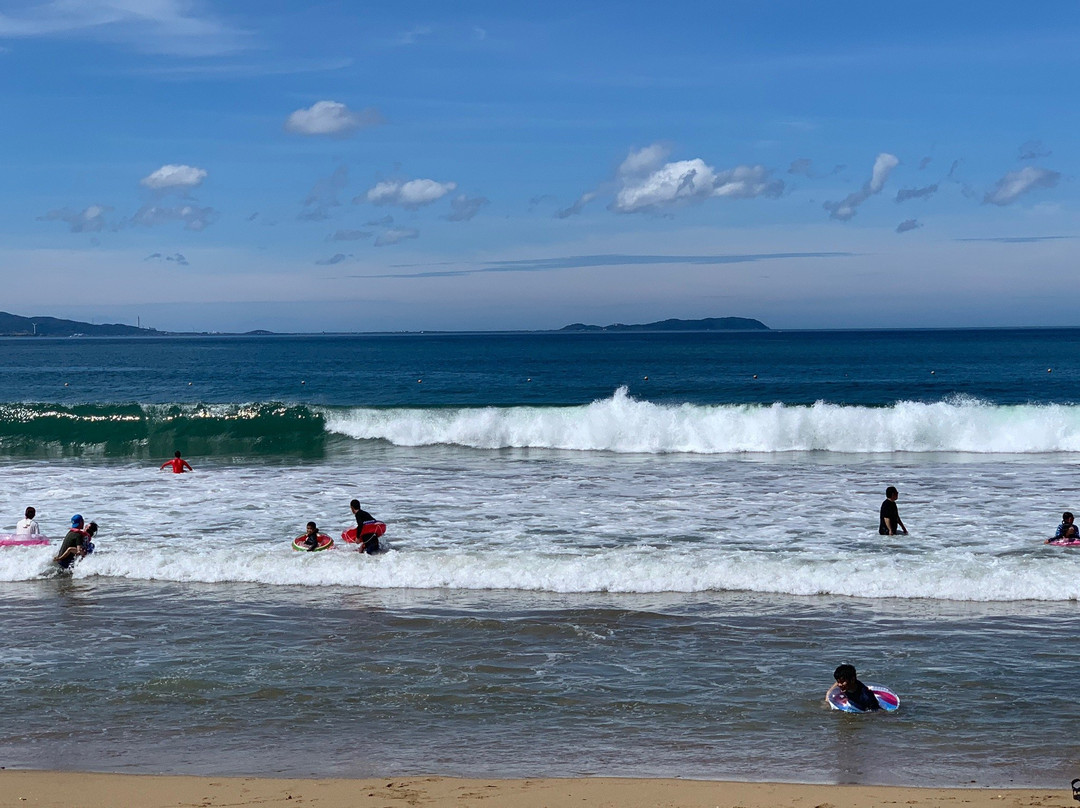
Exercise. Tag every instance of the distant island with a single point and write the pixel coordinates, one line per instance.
(707, 324)
(12, 325)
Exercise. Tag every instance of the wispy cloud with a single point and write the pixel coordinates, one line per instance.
(396, 236)
(904, 194)
(173, 27)
(337, 258)
(1032, 150)
(324, 195)
(1017, 183)
(609, 260)
(846, 208)
(175, 258)
(331, 119)
(88, 220)
(577, 207)
(908, 225)
(1017, 239)
(412, 36)
(463, 208)
(193, 217)
(349, 235)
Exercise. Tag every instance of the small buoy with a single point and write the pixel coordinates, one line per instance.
(645, 378)
(419, 381)
(65, 384)
(1049, 370)
(189, 384)
(932, 372)
(755, 375)
(303, 382)
(529, 379)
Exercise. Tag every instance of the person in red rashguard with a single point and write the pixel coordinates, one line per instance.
(179, 465)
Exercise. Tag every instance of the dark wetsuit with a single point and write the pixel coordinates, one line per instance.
(862, 697)
(74, 538)
(371, 541)
(892, 513)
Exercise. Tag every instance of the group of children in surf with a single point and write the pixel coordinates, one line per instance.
(77, 543)
(368, 540)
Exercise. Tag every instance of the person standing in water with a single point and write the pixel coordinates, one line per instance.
(179, 465)
(889, 515)
(369, 543)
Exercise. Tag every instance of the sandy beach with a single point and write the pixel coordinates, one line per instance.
(91, 790)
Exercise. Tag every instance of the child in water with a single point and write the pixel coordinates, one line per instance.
(858, 694)
(311, 541)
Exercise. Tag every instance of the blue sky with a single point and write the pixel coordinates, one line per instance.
(409, 165)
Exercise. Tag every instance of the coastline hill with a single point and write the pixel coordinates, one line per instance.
(12, 325)
(707, 324)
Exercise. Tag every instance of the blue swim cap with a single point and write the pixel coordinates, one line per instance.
(76, 520)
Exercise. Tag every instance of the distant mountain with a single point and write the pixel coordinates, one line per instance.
(708, 324)
(12, 325)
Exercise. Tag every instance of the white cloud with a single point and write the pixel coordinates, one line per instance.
(1017, 183)
(648, 186)
(88, 220)
(848, 206)
(644, 161)
(412, 194)
(396, 236)
(152, 26)
(330, 118)
(174, 176)
(411, 36)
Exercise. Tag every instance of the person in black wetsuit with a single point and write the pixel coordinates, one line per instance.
(369, 543)
(75, 543)
(858, 694)
(311, 541)
(889, 515)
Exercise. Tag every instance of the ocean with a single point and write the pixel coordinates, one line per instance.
(609, 553)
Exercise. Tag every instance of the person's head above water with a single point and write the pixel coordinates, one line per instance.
(312, 527)
(845, 674)
(891, 492)
(92, 529)
(1066, 517)
(175, 454)
(355, 504)
(31, 513)
(76, 521)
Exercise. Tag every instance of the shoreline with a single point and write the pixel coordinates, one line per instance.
(65, 789)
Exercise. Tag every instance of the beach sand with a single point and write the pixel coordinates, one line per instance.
(81, 790)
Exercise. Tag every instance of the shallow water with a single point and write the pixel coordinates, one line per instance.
(582, 578)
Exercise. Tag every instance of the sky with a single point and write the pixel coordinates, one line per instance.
(196, 165)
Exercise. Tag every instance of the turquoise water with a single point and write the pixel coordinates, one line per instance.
(609, 554)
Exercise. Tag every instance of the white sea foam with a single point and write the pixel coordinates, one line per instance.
(799, 523)
(960, 576)
(626, 425)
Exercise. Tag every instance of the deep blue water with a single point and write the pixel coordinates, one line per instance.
(871, 368)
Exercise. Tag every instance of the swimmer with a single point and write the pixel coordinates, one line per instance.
(179, 465)
(311, 540)
(27, 526)
(858, 694)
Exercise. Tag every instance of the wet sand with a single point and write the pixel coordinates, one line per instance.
(19, 789)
